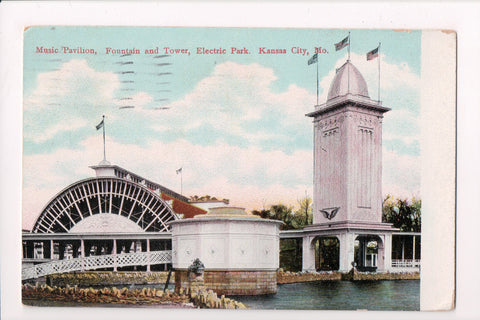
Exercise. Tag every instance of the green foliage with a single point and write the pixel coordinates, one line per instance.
(278, 212)
(206, 198)
(283, 213)
(265, 214)
(404, 214)
(303, 216)
(291, 254)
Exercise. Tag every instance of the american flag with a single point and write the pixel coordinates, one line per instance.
(313, 59)
(372, 54)
(99, 126)
(342, 44)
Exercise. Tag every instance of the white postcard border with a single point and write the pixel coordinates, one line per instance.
(461, 18)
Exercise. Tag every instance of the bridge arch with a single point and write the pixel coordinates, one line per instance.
(137, 204)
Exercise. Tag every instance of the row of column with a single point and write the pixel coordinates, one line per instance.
(406, 249)
(347, 251)
(47, 249)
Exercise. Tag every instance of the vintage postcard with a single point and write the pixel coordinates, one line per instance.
(227, 168)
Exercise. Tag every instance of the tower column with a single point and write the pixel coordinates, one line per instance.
(148, 255)
(114, 250)
(388, 252)
(82, 253)
(347, 250)
(308, 254)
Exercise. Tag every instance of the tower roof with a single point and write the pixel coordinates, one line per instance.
(347, 80)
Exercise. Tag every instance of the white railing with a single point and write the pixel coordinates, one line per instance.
(406, 263)
(96, 262)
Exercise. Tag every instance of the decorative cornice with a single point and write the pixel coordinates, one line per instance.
(340, 101)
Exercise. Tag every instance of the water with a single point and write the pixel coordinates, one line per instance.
(319, 295)
(340, 295)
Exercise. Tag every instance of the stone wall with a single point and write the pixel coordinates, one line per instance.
(367, 276)
(293, 277)
(233, 282)
(107, 278)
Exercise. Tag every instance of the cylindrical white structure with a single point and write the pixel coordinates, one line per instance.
(240, 251)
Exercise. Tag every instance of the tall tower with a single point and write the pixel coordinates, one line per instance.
(347, 222)
(348, 152)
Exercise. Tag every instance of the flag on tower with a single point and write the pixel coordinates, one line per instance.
(179, 170)
(372, 54)
(313, 59)
(342, 44)
(100, 125)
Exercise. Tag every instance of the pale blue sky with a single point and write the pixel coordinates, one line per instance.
(187, 71)
(253, 103)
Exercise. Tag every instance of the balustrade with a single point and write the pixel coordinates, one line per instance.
(406, 263)
(96, 262)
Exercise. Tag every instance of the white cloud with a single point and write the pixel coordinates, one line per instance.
(401, 124)
(50, 132)
(392, 76)
(232, 97)
(67, 99)
(138, 100)
(76, 80)
(401, 174)
(247, 176)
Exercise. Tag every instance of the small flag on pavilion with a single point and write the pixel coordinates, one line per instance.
(342, 44)
(313, 59)
(372, 54)
(179, 170)
(100, 125)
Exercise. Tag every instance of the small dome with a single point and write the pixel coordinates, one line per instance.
(226, 212)
(340, 85)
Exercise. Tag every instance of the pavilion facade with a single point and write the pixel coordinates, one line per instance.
(113, 213)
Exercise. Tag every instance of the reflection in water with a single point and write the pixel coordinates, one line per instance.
(341, 295)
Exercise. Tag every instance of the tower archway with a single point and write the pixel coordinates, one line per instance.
(369, 253)
(327, 253)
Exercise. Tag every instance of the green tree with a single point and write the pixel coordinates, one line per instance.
(278, 212)
(303, 216)
(402, 213)
(291, 219)
(283, 213)
(265, 214)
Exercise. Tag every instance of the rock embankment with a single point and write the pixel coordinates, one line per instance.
(147, 296)
(103, 296)
(209, 299)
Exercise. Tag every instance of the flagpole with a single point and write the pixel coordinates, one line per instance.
(181, 179)
(348, 70)
(317, 79)
(104, 152)
(379, 44)
(348, 45)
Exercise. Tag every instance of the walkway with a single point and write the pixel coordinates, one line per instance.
(97, 262)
